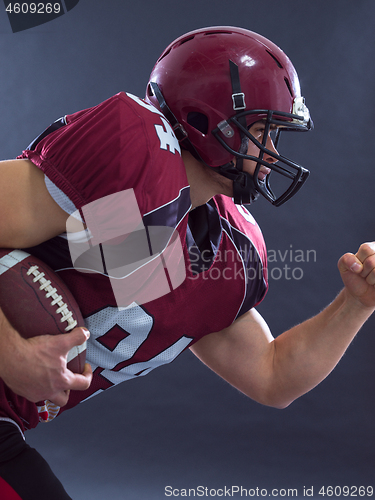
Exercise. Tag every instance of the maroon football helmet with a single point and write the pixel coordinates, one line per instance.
(212, 84)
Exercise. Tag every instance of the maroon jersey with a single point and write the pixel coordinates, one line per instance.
(126, 147)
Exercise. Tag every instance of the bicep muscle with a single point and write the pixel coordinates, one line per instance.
(28, 213)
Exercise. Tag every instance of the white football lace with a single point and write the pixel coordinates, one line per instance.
(56, 298)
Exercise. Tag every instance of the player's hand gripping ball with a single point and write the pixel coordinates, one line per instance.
(36, 301)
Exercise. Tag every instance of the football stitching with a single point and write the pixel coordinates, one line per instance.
(45, 285)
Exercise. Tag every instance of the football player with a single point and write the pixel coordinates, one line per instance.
(138, 205)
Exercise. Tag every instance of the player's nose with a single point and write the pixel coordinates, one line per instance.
(271, 147)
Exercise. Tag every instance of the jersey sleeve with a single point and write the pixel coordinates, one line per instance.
(109, 148)
(249, 242)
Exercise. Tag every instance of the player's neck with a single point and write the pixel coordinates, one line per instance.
(202, 184)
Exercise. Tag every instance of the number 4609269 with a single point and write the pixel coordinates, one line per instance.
(33, 8)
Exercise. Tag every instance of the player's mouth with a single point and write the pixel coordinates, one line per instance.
(263, 172)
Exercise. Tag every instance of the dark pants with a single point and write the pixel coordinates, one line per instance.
(25, 475)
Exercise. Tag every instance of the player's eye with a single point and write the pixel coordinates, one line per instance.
(273, 135)
(259, 132)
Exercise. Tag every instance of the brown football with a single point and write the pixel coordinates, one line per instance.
(36, 301)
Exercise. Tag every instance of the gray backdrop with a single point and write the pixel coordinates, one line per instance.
(181, 425)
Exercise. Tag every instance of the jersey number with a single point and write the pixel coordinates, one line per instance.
(165, 131)
(108, 349)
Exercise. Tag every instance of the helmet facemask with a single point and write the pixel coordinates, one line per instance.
(247, 187)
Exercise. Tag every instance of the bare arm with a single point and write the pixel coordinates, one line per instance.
(277, 371)
(28, 214)
(34, 368)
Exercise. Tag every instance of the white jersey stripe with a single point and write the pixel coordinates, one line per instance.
(11, 259)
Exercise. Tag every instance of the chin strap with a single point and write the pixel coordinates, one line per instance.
(244, 189)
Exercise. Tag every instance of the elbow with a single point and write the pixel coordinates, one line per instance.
(277, 403)
(273, 400)
(281, 405)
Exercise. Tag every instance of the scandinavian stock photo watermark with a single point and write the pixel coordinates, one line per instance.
(288, 263)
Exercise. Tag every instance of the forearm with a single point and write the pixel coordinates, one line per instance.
(9, 340)
(304, 355)
(14, 358)
(275, 372)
